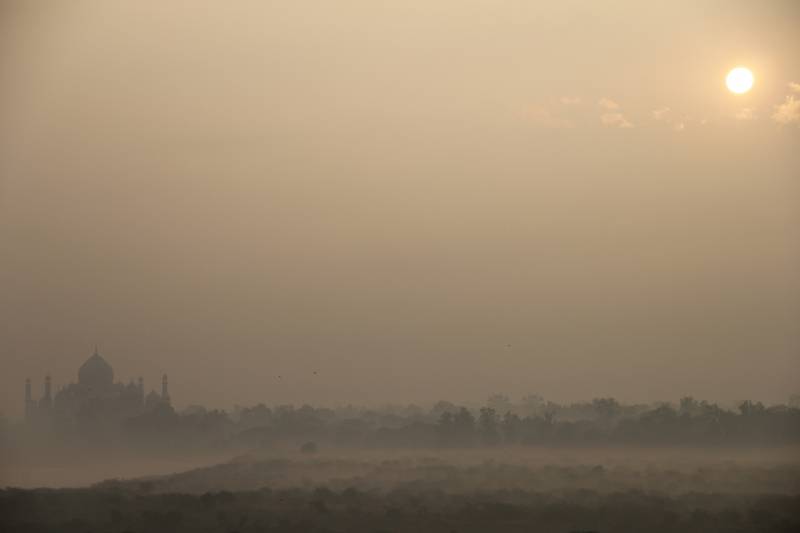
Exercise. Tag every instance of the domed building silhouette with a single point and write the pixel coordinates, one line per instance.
(96, 373)
(94, 399)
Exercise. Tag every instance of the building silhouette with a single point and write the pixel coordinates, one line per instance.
(95, 399)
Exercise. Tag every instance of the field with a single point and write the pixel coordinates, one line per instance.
(494, 490)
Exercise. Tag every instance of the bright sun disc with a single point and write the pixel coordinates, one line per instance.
(739, 80)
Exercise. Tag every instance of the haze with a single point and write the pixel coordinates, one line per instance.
(333, 202)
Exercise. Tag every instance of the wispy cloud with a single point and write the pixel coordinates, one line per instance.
(662, 114)
(788, 112)
(666, 116)
(746, 113)
(607, 103)
(794, 87)
(570, 100)
(616, 120)
(612, 117)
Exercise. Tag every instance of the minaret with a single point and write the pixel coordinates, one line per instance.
(28, 400)
(164, 389)
(47, 399)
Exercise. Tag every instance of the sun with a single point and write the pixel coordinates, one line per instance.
(739, 80)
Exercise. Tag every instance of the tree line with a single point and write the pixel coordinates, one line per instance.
(530, 421)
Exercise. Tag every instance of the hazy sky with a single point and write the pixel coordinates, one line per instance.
(390, 193)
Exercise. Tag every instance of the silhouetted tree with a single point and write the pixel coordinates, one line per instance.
(487, 426)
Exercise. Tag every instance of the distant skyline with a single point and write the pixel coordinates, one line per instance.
(360, 202)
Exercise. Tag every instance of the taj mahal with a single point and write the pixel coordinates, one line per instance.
(95, 397)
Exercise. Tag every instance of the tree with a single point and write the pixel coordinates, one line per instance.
(487, 426)
(606, 408)
(442, 407)
(531, 405)
(688, 406)
(500, 403)
(511, 426)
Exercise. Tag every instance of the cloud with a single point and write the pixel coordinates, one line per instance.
(612, 117)
(615, 120)
(788, 112)
(665, 115)
(746, 113)
(607, 103)
(570, 100)
(662, 114)
(794, 86)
